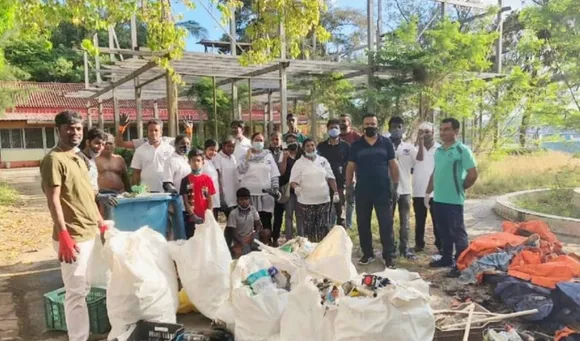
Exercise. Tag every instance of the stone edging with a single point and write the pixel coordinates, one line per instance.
(505, 208)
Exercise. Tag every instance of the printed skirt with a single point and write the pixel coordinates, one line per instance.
(315, 220)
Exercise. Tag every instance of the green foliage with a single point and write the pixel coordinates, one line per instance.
(43, 63)
(555, 202)
(8, 195)
(202, 92)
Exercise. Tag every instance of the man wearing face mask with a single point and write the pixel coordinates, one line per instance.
(336, 151)
(405, 156)
(373, 159)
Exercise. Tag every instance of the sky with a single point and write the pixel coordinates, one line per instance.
(200, 15)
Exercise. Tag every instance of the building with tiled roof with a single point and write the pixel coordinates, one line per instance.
(27, 130)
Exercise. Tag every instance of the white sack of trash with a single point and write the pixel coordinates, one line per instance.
(203, 264)
(143, 281)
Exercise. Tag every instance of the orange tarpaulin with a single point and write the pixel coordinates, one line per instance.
(563, 333)
(549, 242)
(487, 244)
(529, 267)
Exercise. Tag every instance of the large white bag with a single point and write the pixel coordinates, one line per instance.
(305, 318)
(257, 317)
(203, 263)
(332, 257)
(98, 272)
(143, 283)
(400, 310)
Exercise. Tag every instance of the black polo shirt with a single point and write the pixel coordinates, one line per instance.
(372, 164)
(338, 156)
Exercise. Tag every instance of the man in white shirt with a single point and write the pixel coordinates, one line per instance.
(149, 159)
(124, 122)
(424, 165)
(405, 155)
(242, 143)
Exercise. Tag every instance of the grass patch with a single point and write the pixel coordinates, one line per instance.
(555, 202)
(501, 174)
(8, 195)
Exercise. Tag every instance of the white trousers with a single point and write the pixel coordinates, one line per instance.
(76, 284)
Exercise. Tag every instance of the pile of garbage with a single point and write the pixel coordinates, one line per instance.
(529, 270)
(299, 291)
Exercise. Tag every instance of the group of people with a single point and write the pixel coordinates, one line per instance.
(255, 181)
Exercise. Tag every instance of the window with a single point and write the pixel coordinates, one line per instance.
(50, 140)
(4, 138)
(16, 138)
(33, 138)
(132, 131)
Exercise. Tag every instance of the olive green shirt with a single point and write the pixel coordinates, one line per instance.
(77, 198)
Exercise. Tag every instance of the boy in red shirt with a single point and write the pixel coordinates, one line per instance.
(196, 189)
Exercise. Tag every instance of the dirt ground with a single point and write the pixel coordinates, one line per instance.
(28, 268)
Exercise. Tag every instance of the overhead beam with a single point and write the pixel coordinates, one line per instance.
(149, 81)
(254, 74)
(463, 3)
(132, 52)
(125, 79)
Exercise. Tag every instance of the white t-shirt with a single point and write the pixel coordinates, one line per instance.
(259, 174)
(139, 142)
(228, 168)
(423, 170)
(175, 169)
(311, 176)
(150, 161)
(241, 148)
(210, 170)
(406, 156)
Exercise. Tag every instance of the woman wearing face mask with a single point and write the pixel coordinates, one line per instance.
(210, 148)
(310, 177)
(259, 173)
(286, 162)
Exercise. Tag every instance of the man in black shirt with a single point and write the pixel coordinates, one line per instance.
(373, 159)
(336, 151)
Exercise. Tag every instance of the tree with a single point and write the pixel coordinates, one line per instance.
(202, 93)
(194, 29)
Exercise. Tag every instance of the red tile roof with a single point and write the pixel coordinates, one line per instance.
(48, 99)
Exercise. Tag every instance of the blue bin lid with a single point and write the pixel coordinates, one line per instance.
(145, 199)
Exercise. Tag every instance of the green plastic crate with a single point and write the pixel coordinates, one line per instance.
(96, 302)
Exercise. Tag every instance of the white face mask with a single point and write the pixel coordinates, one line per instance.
(258, 145)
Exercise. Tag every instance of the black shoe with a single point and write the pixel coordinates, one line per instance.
(441, 264)
(389, 264)
(454, 273)
(366, 260)
(419, 249)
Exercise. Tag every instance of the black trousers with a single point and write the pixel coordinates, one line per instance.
(421, 219)
(452, 229)
(228, 232)
(278, 218)
(381, 202)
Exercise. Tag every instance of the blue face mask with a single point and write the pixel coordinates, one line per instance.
(196, 171)
(397, 134)
(257, 145)
(334, 133)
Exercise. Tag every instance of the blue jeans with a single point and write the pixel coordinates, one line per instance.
(451, 228)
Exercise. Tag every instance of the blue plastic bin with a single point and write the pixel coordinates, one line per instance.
(130, 214)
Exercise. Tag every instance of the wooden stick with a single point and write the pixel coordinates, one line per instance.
(469, 318)
(494, 318)
(450, 311)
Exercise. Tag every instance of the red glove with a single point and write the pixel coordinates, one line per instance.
(66, 248)
(103, 227)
